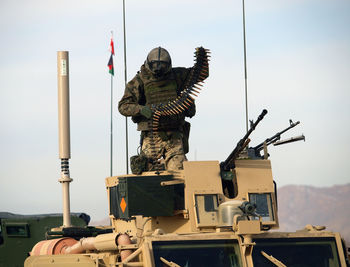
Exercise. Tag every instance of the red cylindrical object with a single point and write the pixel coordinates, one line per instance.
(53, 246)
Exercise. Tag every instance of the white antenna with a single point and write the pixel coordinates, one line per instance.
(64, 130)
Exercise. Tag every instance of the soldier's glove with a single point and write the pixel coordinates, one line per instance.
(146, 112)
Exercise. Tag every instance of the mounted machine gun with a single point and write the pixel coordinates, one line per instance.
(254, 152)
(242, 151)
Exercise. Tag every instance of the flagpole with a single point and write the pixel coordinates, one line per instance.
(111, 174)
(125, 80)
(111, 72)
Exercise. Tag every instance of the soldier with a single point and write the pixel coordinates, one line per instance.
(157, 82)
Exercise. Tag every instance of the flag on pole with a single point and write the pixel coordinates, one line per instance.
(110, 65)
(112, 46)
(110, 61)
(111, 71)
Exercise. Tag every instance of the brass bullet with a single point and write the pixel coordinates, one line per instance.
(196, 90)
(193, 93)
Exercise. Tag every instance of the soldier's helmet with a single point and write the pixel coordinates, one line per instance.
(158, 61)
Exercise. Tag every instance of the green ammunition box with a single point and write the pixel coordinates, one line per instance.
(142, 195)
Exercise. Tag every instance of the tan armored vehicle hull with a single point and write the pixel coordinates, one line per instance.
(189, 221)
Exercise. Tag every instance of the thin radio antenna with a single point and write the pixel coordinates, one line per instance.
(245, 69)
(125, 80)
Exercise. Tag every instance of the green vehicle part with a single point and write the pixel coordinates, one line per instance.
(19, 233)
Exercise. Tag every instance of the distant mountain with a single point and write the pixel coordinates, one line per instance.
(299, 205)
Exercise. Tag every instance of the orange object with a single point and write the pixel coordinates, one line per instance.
(53, 246)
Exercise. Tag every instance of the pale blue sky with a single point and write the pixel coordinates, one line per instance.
(298, 68)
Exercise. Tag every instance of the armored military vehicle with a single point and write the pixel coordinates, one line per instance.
(210, 213)
(19, 233)
(186, 219)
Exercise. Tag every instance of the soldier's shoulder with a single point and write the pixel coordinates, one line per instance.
(137, 80)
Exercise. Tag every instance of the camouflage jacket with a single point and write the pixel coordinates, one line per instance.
(134, 96)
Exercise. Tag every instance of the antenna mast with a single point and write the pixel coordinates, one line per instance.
(245, 70)
(125, 80)
(64, 130)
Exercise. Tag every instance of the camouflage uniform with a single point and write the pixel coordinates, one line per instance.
(145, 89)
(170, 148)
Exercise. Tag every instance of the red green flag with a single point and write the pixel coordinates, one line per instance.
(110, 61)
(110, 65)
(112, 46)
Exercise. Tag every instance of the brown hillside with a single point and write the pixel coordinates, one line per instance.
(299, 205)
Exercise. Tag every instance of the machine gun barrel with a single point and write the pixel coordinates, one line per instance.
(290, 140)
(229, 162)
(276, 137)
